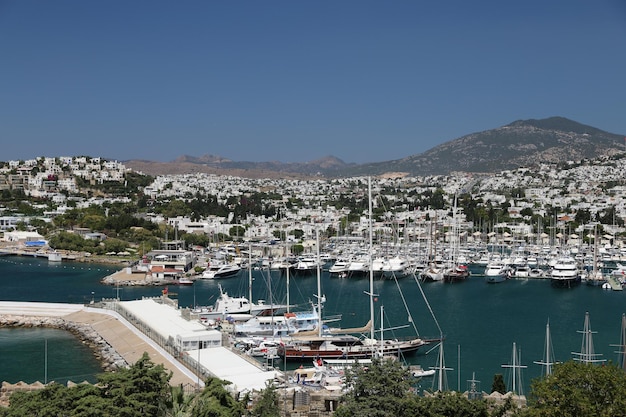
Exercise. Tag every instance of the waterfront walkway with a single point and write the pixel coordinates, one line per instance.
(127, 341)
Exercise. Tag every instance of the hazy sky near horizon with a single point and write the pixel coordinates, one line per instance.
(294, 81)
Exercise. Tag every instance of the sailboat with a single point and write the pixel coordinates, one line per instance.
(441, 378)
(346, 345)
(516, 371)
(621, 352)
(432, 272)
(595, 277)
(455, 272)
(587, 352)
(548, 357)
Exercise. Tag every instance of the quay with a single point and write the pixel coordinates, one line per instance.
(58, 255)
(40, 252)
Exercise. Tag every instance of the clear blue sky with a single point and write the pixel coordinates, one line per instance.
(294, 81)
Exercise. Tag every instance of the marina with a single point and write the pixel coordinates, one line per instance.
(479, 321)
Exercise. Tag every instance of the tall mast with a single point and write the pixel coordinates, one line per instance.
(382, 335)
(286, 260)
(371, 269)
(442, 379)
(250, 275)
(287, 272)
(621, 352)
(371, 294)
(587, 352)
(548, 355)
(517, 372)
(319, 283)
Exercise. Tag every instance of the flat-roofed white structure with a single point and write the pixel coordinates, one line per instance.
(161, 320)
(168, 325)
(226, 365)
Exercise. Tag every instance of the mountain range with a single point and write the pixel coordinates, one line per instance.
(521, 143)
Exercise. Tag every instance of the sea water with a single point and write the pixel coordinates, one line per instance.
(479, 321)
(45, 355)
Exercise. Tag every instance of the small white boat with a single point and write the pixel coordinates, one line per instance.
(359, 266)
(418, 372)
(265, 349)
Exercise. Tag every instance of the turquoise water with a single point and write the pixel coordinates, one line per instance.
(480, 321)
(45, 355)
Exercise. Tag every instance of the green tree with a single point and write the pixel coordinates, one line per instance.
(267, 403)
(526, 212)
(141, 390)
(237, 231)
(583, 216)
(498, 384)
(297, 249)
(42, 227)
(449, 404)
(578, 389)
(71, 241)
(216, 401)
(381, 389)
(93, 222)
(176, 208)
(114, 245)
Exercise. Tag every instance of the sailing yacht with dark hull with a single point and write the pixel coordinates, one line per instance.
(345, 347)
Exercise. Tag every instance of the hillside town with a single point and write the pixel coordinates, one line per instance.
(55, 185)
(184, 227)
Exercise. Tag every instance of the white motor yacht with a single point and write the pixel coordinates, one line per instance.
(496, 272)
(217, 270)
(237, 308)
(565, 272)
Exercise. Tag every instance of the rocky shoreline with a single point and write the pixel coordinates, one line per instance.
(109, 359)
